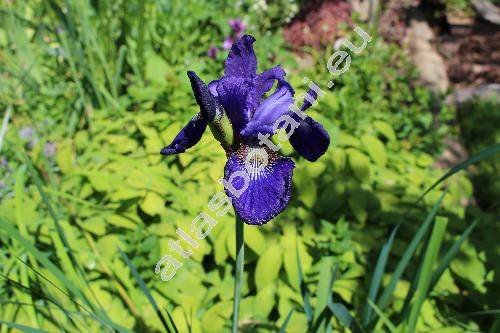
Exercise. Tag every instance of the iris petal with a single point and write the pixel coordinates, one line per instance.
(264, 82)
(269, 184)
(233, 93)
(307, 101)
(270, 110)
(310, 139)
(212, 86)
(203, 96)
(187, 137)
(241, 60)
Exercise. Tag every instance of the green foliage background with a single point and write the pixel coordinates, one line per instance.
(105, 82)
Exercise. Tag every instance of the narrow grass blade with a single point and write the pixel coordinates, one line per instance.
(55, 307)
(324, 317)
(189, 320)
(430, 257)
(238, 271)
(146, 291)
(377, 276)
(22, 327)
(20, 218)
(387, 322)
(285, 323)
(451, 253)
(140, 41)
(408, 254)
(61, 243)
(42, 259)
(13, 233)
(171, 321)
(341, 313)
(324, 292)
(119, 68)
(54, 285)
(36, 291)
(484, 154)
(5, 123)
(403, 314)
(303, 289)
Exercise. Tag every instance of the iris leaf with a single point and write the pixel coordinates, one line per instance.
(54, 270)
(377, 276)
(387, 322)
(303, 289)
(324, 291)
(484, 154)
(285, 323)
(147, 293)
(424, 280)
(452, 252)
(22, 327)
(407, 255)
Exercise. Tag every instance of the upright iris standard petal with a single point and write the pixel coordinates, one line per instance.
(233, 94)
(268, 187)
(263, 83)
(241, 60)
(270, 110)
(187, 137)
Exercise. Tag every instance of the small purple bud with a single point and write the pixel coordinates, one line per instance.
(228, 42)
(212, 52)
(49, 149)
(238, 26)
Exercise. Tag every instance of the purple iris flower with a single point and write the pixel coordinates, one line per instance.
(237, 26)
(212, 52)
(228, 42)
(235, 110)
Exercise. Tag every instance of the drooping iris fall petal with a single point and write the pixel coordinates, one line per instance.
(269, 190)
(310, 139)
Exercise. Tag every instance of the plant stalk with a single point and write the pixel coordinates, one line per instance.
(238, 272)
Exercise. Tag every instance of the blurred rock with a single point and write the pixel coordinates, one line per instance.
(487, 11)
(453, 154)
(484, 91)
(424, 55)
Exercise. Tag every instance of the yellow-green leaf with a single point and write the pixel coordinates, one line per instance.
(268, 266)
(375, 149)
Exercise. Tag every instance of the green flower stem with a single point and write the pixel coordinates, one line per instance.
(238, 272)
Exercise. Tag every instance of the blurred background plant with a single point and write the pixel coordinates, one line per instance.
(90, 91)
